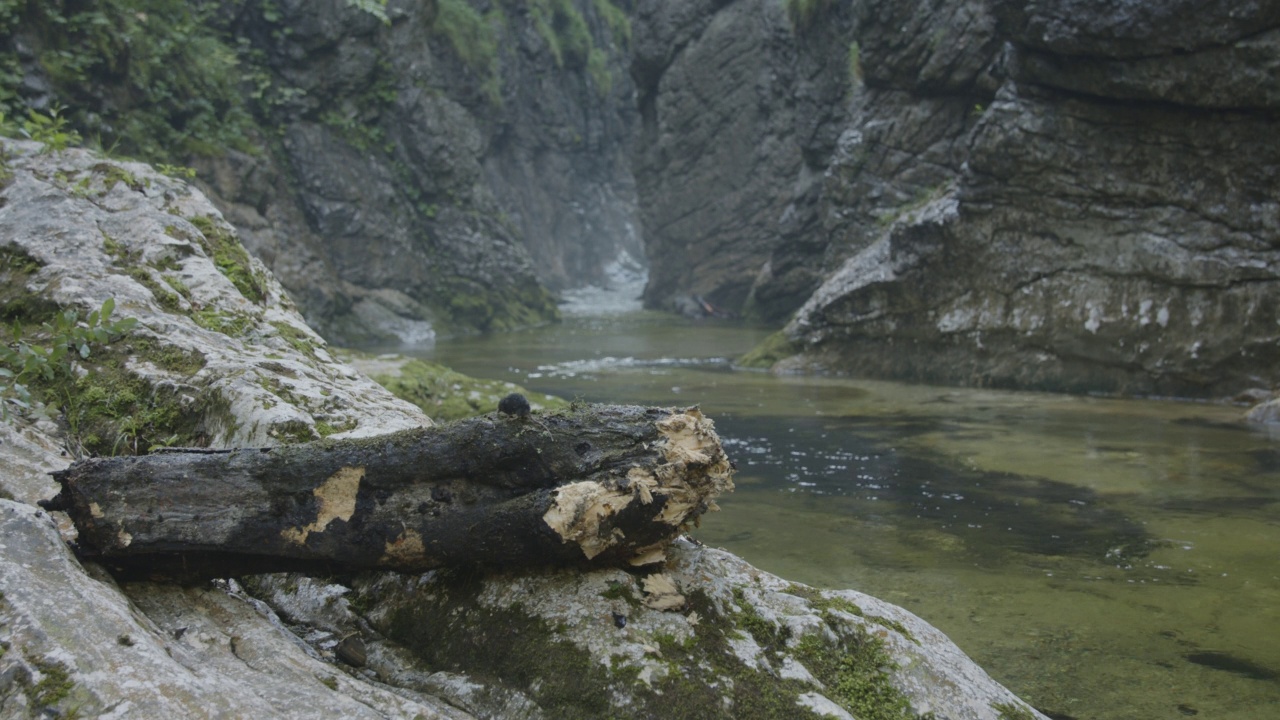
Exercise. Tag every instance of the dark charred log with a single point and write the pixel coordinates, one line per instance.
(595, 483)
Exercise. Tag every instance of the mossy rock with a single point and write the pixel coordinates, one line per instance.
(470, 307)
(444, 394)
(770, 350)
(559, 640)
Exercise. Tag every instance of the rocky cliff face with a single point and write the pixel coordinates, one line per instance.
(409, 166)
(737, 122)
(1075, 197)
(439, 170)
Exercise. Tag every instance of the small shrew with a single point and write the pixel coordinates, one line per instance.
(515, 405)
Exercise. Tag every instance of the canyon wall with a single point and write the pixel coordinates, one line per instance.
(1075, 196)
(405, 167)
(444, 169)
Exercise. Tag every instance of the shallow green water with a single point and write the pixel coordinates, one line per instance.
(1102, 558)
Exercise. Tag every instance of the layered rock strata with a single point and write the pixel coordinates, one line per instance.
(1075, 196)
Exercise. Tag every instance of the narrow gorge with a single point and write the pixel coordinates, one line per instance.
(1076, 196)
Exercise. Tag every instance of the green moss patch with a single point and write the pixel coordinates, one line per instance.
(1009, 711)
(230, 324)
(470, 306)
(770, 350)
(447, 395)
(444, 623)
(856, 669)
(111, 411)
(54, 685)
(16, 269)
(823, 603)
(165, 297)
(230, 257)
(170, 358)
(450, 630)
(299, 340)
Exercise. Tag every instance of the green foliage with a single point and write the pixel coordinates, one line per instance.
(855, 63)
(360, 135)
(180, 172)
(568, 37)
(804, 14)
(376, 8)
(50, 360)
(617, 20)
(50, 129)
(474, 39)
(355, 118)
(148, 75)
(598, 69)
(564, 30)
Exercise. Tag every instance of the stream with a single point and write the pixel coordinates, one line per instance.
(1102, 558)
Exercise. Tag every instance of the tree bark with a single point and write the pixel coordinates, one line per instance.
(598, 483)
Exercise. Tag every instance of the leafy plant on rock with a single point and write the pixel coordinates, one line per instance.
(51, 361)
(51, 129)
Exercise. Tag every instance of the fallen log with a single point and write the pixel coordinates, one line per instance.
(599, 483)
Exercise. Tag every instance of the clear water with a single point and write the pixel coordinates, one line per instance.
(1102, 558)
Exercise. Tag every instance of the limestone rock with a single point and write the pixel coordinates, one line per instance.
(217, 335)
(74, 641)
(746, 643)
(77, 643)
(1071, 196)
(429, 180)
(735, 123)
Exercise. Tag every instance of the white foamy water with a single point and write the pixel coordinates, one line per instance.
(625, 279)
